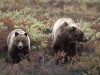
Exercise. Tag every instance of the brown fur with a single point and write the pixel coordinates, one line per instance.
(66, 38)
(18, 45)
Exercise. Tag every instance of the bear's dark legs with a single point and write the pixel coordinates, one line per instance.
(15, 59)
(73, 50)
(18, 55)
(70, 51)
(25, 52)
(65, 59)
(14, 54)
(55, 49)
(56, 46)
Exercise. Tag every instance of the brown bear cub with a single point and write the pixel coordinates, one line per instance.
(65, 34)
(18, 45)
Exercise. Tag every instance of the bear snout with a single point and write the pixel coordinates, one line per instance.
(20, 46)
(86, 39)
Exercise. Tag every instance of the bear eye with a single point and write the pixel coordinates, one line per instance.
(23, 41)
(81, 34)
(18, 40)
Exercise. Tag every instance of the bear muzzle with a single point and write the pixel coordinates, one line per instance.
(86, 39)
(20, 46)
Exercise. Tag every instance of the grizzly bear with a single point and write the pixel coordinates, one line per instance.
(18, 45)
(65, 34)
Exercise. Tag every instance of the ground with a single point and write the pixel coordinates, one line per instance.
(37, 18)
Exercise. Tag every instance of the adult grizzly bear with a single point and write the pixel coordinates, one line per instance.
(18, 45)
(65, 34)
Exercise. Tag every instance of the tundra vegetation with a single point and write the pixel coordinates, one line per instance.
(37, 18)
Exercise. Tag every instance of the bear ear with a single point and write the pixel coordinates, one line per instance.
(16, 33)
(73, 29)
(65, 23)
(25, 34)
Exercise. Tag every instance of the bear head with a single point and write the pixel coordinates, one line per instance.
(74, 33)
(20, 40)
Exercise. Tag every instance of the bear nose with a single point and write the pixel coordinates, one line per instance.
(20, 47)
(87, 39)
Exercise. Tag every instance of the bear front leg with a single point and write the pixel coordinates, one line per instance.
(56, 46)
(72, 49)
(25, 53)
(15, 58)
(66, 50)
